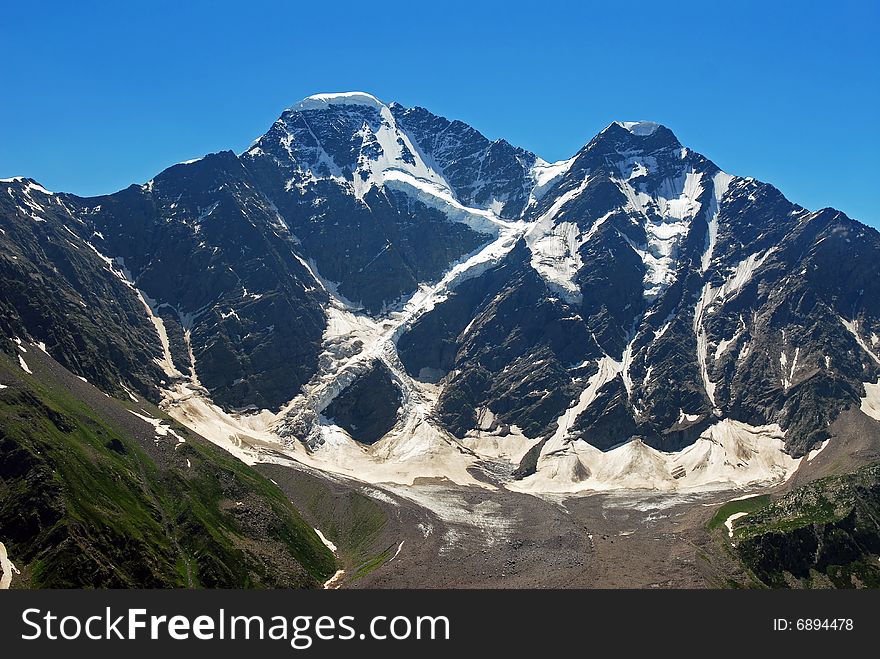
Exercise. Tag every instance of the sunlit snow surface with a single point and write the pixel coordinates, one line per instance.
(555, 245)
(871, 402)
(322, 101)
(7, 568)
(640, 127)
(728, 454)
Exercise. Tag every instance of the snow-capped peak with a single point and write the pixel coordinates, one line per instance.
(28, 183)
(322, 101)
(640, 128)
(357, 149)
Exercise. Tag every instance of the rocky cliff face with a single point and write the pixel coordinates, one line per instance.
(216, 263)
(700, 292)
(70, 299)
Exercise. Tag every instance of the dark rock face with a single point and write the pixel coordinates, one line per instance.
(609, 420)
(378, 246)
(216, 260)
(59, 291)
(367, 408)
(802, 365)
(478, 169)
(509, 344)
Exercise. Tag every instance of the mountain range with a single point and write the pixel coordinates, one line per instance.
(380, 293)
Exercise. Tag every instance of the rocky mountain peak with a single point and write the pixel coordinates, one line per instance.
(628, 137)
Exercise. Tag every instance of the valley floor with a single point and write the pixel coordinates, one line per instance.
(438, 535)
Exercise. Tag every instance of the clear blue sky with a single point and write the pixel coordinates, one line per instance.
(97, 95)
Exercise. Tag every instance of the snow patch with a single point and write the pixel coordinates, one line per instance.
(684, 416)
(730, 520)
(323, 101)
(871, 401)
(545, 175)
(24, 366)
(399, 547)
(160, 426)
(728, 454)
(374, 169)
(788, 372)
(668, 214)
(555, 257)
(165, 361)
(853, 327)
(641, 128)
(720, 185)
(438, 196)
(7, 568)
(722, 347)
(129, 392)
(333, 582)
(326, 542)
(816, 451)
(555, 245)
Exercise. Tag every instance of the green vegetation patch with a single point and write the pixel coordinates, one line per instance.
(749, 505)
(823, 534)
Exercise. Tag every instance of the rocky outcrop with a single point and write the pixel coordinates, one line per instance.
(367, 408)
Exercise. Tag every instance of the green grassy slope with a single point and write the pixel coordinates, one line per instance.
(355, 523)
(823, 534)
(92, 496)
